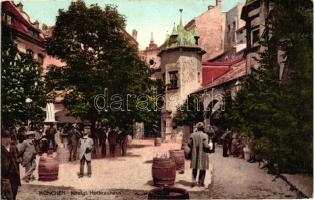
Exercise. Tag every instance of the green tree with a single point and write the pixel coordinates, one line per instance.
(98, 55)
(277, 114)
(191, 112)
(20, 79)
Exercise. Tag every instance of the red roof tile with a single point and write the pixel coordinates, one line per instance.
(216, 73)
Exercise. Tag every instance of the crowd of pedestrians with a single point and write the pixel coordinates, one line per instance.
(20, 145)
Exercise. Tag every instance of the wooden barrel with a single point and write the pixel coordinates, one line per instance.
(63, 154)
(157, 142)
(168, 193)
(179, 158)
(118, 150)
(48, 169)
(163, 171)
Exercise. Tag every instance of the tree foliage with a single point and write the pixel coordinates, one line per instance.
(191, 112)
(277, 114)
(20, 79)
(98, 56)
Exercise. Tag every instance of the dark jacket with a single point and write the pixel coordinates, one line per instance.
(102, 136)
(50, 132)
(112, 137)
(9, 165)
(74, 136)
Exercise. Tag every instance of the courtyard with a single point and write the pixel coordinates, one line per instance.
(130, 178)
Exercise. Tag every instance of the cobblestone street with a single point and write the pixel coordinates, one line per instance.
(130, 178)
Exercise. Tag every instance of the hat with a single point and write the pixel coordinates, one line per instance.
(30, 133)
(200, 125)
(5, 134)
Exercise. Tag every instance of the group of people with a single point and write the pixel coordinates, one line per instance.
(233, 145)
(21, 145)
(13, 154)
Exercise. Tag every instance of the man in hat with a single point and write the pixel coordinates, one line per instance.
(28, 153)
(10, 174)
(198, 142)
(74, 136)
(86, 146)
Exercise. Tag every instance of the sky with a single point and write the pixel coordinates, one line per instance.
(146, 16)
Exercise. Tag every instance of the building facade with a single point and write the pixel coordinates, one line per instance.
(218, 30)
(181, 68)
(151, 58)
(27, 35)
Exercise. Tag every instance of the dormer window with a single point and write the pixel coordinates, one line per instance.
(173, 39)
(196, 39)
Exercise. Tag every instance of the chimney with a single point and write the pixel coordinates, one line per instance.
(36, 24)
(20, 6)
(218, 2)
(134, 34)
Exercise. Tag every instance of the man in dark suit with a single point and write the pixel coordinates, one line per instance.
(103, 139)
(123, 136)
(74, 136)
(10, 174)
(50, 133)
(112, 139)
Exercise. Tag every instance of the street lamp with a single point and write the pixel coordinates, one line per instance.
(28, 102)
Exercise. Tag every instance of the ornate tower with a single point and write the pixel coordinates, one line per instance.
(180, 61)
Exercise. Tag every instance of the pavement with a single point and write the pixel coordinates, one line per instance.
(130, 178)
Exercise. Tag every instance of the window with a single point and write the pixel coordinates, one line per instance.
(40, 59)
(29, 52)
(234, 25)
(228, 27)
(255, 36)
(173, 76)
(173, 39)
(198, 76)
(7, 19)
(163, 77)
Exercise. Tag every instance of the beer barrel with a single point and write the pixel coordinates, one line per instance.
(163, 171)
(168, 193)
(179, 158)
(157, 142)
(48, 169)
(63, 153)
